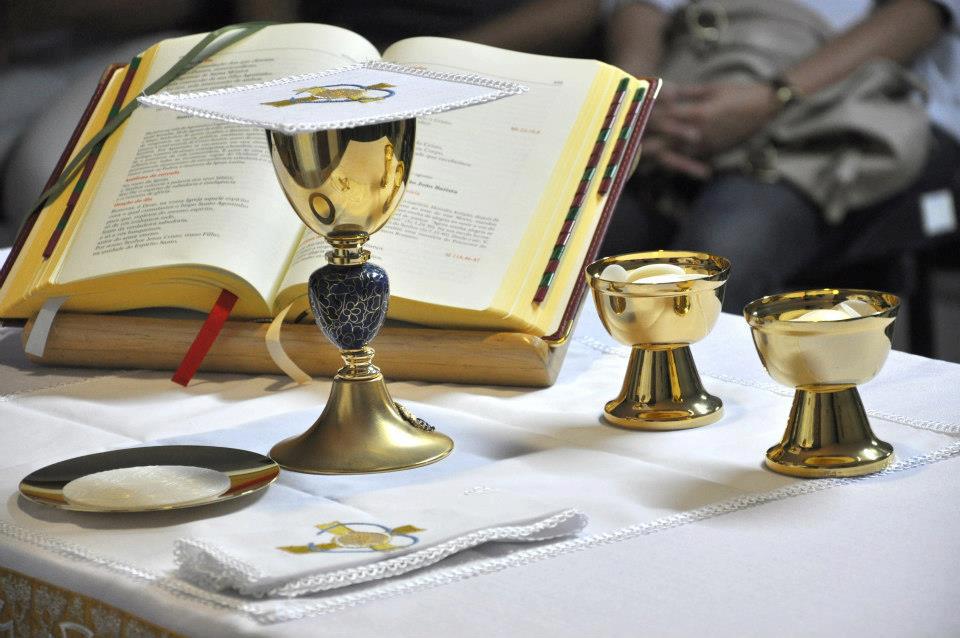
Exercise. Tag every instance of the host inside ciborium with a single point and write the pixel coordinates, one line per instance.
(342, 145)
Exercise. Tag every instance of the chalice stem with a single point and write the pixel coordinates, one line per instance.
(361, 429)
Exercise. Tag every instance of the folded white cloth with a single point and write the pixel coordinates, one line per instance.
(322, 544)
(358, 95)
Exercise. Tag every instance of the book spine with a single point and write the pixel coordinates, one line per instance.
(90, 163)
(574, 211)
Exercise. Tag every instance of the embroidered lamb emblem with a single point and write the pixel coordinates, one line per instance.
(340, 537)
(337, 93)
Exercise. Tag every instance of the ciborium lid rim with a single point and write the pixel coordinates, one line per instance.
(720, 266)
(764, 312)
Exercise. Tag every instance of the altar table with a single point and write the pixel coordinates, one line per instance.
(688, 533)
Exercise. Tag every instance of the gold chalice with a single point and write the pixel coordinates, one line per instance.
(659, 316)
(341, 142)
(345, 184)
(824, 355)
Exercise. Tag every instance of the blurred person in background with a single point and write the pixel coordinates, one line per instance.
(781, 132)
(552, 27)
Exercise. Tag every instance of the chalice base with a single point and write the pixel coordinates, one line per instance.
(360, 431)
(828, 435)
(662, 391)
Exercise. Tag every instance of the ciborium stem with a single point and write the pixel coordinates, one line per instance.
(828, 434)
(662, 391)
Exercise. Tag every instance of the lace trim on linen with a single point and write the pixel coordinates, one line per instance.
(211, 568)
(502, 88)
(274, 611)
(919, 424)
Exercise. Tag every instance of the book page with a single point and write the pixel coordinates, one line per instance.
(478, 175)
(183, 190)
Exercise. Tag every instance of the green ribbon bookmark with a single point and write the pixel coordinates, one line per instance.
(211, 44)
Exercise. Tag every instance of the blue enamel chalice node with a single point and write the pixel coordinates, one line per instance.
(345, 184)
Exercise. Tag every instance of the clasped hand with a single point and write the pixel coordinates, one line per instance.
(691, 123)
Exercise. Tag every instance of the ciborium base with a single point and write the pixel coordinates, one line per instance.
(362, 430)
(828, 435)
(662, 391)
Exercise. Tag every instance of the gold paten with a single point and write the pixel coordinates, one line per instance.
(828, 434)
(345, 184)
(661, 389)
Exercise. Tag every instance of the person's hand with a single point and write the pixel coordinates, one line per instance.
(657, 148)
(669, 142)
(704, 119)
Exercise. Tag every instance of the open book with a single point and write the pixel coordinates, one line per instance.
(176, 208)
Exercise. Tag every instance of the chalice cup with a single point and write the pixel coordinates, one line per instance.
(345, 184)
(825, 357)
(659, 319)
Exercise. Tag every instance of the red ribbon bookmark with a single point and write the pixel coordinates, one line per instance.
(205, 338)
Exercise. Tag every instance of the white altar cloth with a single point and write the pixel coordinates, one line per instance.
(688, 533)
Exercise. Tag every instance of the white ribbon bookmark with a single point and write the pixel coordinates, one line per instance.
(278, 354)
(37, 341)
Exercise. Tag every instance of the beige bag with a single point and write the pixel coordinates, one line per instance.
(852, 144)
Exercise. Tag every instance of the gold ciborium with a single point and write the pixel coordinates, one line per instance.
(659, 320)
(345, 184)
(825, 356)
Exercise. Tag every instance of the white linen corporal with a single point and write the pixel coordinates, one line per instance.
(322, 544)
(357, 95)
